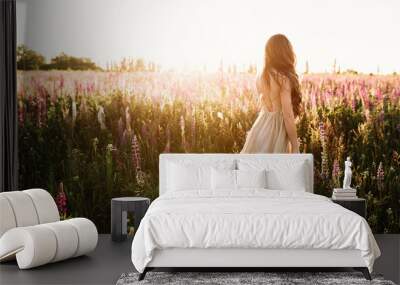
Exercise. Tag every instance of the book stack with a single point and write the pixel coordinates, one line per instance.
(344, 194)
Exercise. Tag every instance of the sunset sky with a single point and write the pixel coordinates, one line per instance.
(359, 34)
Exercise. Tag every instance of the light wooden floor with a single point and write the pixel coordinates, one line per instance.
(110, 260)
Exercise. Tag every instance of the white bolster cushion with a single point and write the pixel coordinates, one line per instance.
(33, 246)
(87, 235)
(7, 218)
(67, 240)
(37, 245)
(46, 208)
(23, 208)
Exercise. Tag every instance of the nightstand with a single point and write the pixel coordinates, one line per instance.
(119, 214)
(358, 205)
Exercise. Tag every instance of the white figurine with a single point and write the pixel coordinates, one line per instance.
(347, 174)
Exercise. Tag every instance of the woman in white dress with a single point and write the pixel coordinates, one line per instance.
(274, 130)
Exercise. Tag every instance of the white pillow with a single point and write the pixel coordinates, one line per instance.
(188, 177)
(223, 179)
(228, 179)
(193, 174)
(251, 178)
(281, 174)
(292, 180)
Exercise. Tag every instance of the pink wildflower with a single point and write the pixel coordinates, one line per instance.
(61, 201)
(324, 153)
(135, 153)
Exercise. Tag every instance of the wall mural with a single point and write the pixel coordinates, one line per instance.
(90, 131)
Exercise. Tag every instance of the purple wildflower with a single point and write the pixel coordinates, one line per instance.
(324, 153)
(61, 201)
(335, 169)
(378, 94)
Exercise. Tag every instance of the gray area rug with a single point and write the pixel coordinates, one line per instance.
(269, 278)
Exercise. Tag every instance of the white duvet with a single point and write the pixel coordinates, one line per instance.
(251, 218)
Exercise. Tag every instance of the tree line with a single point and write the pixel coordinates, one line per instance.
(28, 59)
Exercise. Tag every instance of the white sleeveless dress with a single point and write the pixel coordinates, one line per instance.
(268, 134)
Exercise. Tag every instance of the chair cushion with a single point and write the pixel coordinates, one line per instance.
(87, 235)
(45, 206)
(67, 240)
(32, 246)
(7, 220)
(40, 244)
(23, 208)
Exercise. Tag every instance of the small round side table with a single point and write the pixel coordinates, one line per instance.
(119, 214)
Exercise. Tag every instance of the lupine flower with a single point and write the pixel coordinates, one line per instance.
(140, 178)
(140, 175)
(120, 130)
(396, 157)
(95, 143)
(73, 111)
(378, 94)
(380, 175)
(324, 153)
(193, 128)
(135, 148)
(182, 125)
(61, 201)
(78, 87)
(39, 114)
(128, 119)
(109, 166)
(353, 104)
(101, 117)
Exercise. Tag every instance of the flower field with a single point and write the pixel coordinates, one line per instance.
(87, 136)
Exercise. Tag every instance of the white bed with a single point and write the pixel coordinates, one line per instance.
(280, 224)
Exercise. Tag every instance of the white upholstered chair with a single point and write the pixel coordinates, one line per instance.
(31, 230)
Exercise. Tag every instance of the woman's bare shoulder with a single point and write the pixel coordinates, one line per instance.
(281, 80)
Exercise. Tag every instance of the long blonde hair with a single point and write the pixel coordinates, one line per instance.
(280, 59)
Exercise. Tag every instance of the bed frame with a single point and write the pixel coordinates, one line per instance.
(249, 258)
